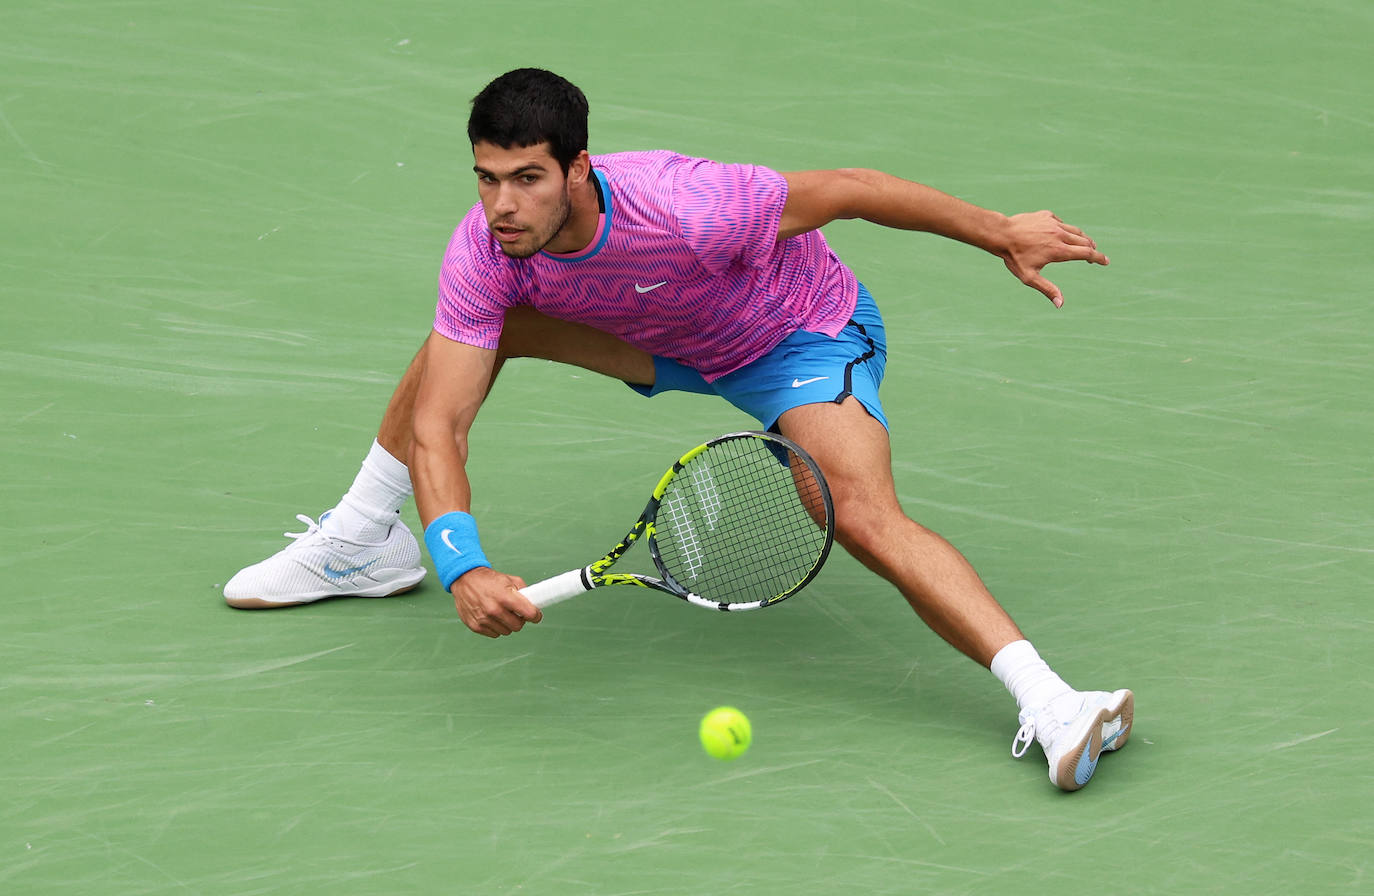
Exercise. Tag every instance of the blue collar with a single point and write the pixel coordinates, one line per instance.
(603, 193)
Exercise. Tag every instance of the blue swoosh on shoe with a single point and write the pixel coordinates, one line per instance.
(1085, 767)
(333, 573)
(1106, 744)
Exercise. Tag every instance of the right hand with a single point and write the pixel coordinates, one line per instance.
(490, 602)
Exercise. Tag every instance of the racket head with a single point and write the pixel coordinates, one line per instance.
(741, 522)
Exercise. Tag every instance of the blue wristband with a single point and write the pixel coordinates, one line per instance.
(452, 542)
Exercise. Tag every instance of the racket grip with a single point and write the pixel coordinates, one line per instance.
(555, 590)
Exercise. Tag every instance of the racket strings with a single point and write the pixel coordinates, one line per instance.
(689, 552)
(742, 521)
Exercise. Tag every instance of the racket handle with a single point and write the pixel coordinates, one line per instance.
(555, 590)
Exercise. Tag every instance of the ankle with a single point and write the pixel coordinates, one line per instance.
(1029, 678)
(354, 522)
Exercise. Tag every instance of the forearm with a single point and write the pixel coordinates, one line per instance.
(816, 198)
(1026, 243)
(451, 383)
(438, 472)
(444, 498)
(906, 205)
(489, 602)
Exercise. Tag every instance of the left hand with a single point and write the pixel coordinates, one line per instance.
(1037, 239)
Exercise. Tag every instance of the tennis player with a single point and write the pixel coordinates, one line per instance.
(676, 273)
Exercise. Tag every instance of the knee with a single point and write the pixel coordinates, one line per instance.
(862, 523)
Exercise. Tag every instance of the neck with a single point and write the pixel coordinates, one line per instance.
(583, 220)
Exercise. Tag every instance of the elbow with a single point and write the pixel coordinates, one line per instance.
(854, 189)
(815, 198)
(867, 177)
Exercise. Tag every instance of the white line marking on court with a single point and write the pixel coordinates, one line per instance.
(1040, 525)
(23, 144)
(35, 413)
(1302, 740)
(656, 839)
(1126, 402)
(760, 771)
(477, 668)
(259, 668)
(881, 789)
(1298, 544)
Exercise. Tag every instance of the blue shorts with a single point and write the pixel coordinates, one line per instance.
(805, 368)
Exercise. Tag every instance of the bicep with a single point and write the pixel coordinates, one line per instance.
(815, 198)
(453, 382)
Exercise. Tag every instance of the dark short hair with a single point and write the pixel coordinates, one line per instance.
(530, 106)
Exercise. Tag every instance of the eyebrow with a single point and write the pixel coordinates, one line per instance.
(539, 169)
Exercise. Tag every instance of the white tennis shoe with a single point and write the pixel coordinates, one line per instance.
(1074, 730)
(316, 566)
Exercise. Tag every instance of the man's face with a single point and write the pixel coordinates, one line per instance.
(524, 194)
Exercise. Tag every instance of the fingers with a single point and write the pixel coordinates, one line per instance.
(1090, 253)
(1049, 289)
(1041, 239)
(1085, 252)
(1078, 246)
(1036, 280)
(1064, 242)
(522, 609)
(505, 617)
(491, 604)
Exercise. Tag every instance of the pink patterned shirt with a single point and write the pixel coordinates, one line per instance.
(686, 265)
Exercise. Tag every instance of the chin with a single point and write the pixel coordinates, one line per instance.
(518, 251)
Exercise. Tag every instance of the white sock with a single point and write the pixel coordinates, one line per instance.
(1029, 678)
(367, 512)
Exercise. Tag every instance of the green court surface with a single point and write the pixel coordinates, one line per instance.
(222, 227)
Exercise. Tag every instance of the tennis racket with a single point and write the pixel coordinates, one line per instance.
(738, 523)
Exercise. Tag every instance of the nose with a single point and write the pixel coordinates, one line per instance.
(503, 203)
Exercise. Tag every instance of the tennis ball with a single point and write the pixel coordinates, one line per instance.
(725, 733)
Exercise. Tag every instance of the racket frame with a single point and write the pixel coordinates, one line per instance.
(596, 574)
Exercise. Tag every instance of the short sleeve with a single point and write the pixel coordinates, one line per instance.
(729, 214)
(476, 286)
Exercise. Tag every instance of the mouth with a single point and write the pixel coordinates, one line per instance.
(507, 233)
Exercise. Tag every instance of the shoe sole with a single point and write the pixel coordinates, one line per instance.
(1076, 767)
(1124, 708)
(386, 589)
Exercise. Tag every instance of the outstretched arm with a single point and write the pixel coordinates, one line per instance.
(453, 383)
(1026, 243)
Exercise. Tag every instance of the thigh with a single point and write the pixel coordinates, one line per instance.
(529, 334)
(853, 450)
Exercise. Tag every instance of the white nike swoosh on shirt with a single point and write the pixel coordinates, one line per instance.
(644, 289)
(797, 384)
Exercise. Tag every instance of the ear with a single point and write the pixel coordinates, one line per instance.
(580, 169)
